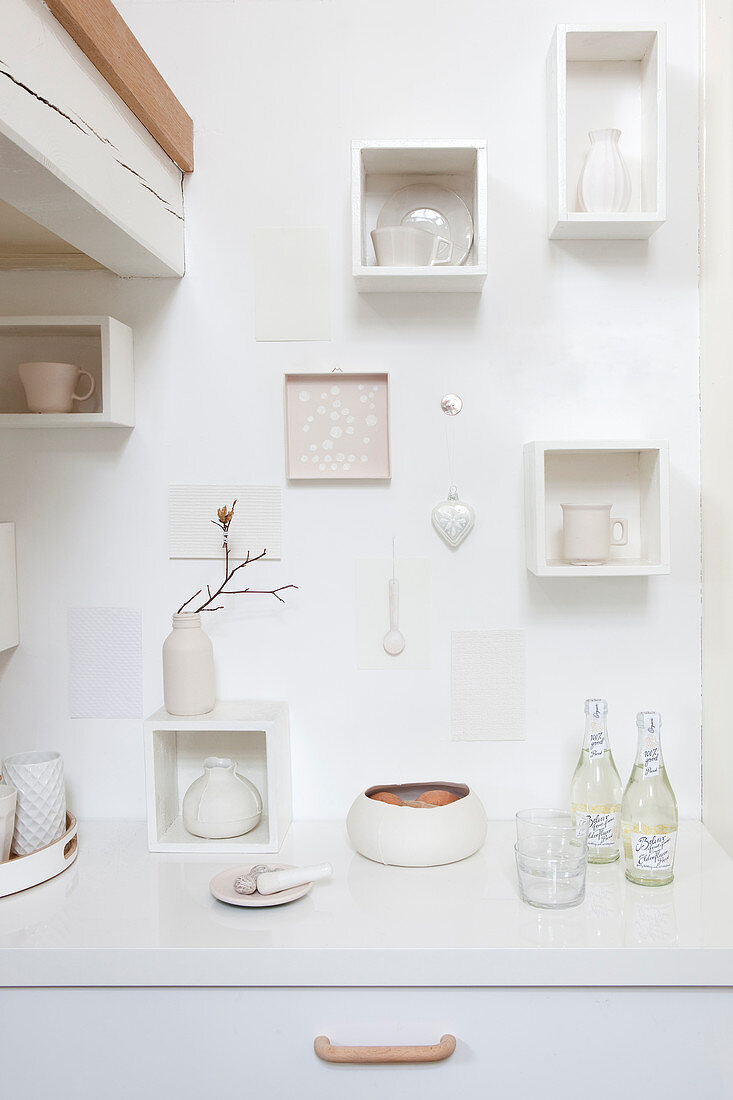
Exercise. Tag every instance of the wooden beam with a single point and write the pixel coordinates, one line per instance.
(102, 34)
(75, 159)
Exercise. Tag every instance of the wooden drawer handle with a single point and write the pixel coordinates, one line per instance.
(374, 1055)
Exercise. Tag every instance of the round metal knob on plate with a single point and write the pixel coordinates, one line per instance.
(451, 404)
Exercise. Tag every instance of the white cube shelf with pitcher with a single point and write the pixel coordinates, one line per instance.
(255, 736)
(418, 215)
(606, 88)
(66, 372)
(581, 493)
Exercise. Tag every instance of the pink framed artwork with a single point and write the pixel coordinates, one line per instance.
(337, 426)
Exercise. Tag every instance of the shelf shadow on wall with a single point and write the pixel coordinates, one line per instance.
(580, 597)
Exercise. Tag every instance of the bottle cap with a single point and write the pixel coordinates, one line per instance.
(596, 708)
(650, 719)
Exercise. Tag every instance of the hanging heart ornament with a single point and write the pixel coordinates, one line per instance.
(452, 519)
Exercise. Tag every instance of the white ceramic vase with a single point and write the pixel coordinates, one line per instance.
(40, 811)
(188, 667)
(221, 803)
(604, 186)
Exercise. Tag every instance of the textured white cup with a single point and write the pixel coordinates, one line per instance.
(8, 798)
(404, 246)
(40, 813)
(588, 533)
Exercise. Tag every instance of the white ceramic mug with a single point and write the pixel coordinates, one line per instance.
(8, 798)
(589, 533)
(405, 246)
(51, 387)
(40, 812)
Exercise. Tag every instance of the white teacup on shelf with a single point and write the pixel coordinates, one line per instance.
(589, 533)
(405, 246)
(51, 387)
(8, 797)
(40, 813)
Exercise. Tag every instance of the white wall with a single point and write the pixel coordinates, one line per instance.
(716, 288)
(568, 340)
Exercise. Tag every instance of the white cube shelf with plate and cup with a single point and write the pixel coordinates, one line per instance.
(603, 76)
(631, 477)
(406, 193)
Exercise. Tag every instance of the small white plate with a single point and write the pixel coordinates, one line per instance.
(222, 887)
(436, 209)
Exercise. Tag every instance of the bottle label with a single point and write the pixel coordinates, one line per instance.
(651, 746)
(653, 851)
(602, 828)
(596, 743)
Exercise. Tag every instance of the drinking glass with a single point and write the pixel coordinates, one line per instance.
(558, 823)
(551, 869)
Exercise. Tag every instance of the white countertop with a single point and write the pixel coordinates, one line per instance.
(123, 917)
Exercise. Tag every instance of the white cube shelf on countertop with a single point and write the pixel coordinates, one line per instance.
(601, 77)
(379, 169)
(9, 636)
(100, 345)
(256, 735)
(633, 477)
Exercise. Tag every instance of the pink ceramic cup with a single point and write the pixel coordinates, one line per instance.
(51, 387)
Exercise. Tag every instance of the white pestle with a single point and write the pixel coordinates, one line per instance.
(271, 882)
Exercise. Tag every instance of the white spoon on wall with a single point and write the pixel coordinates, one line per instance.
(394, 640)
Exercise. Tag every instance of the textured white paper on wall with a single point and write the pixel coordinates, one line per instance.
(257, 523)
(487, 685)
(105, 662)
(292, 284)
(372, 609)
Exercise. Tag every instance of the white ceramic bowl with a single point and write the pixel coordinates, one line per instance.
(411, 837)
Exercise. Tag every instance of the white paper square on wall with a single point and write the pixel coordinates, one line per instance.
(488, 685)
(105, 662)
(372, 604)
(257, 523)
(292, 284)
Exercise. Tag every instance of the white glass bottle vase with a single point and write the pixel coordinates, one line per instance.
(604, 186)
(188, 667)
(596, 788)
(649, 810)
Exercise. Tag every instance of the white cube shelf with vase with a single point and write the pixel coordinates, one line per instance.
(101, 346)
(601, 77)
(9, 634)
(632, 477)
(380, 169)
(255, 735)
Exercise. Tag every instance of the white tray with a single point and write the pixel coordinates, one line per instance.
(21, 872)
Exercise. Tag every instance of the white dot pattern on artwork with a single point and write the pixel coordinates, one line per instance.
(355, 425)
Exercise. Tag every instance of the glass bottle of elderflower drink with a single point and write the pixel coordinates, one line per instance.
(596, 789)
(649, 810)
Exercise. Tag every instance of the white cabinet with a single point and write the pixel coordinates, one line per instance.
(511, 1043)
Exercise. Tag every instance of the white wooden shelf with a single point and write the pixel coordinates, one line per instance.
(379, 168)
(9, 636)
(101, 345)
(598, 77)
(632, 476)
(256, 735)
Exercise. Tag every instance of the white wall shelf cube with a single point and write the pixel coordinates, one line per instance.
(633, 477)
(379, 168)
(600, 77)
(256, 735)
(9, 636)
(101, 345)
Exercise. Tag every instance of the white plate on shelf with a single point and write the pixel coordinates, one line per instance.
(222, 887)
(438, 210)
